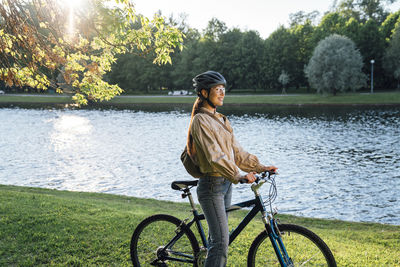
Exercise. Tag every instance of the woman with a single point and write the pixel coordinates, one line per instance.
(213, 147)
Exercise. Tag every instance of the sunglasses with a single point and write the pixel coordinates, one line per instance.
(220, 90)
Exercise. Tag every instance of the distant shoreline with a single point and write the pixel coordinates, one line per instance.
(297, 100)
(188, 106)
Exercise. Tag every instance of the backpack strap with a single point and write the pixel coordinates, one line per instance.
(218, 120)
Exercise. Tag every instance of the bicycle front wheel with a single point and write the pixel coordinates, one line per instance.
(304, 248)
(163, 240)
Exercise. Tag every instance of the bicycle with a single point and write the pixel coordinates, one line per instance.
(164, 240)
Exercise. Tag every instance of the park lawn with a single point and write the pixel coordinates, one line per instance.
(57, 99)
(311, 99)
(62, 228)
(301, 99)
(233, 99)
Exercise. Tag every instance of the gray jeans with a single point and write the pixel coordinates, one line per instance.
(214, 194)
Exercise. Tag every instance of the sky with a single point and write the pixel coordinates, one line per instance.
(264, 16)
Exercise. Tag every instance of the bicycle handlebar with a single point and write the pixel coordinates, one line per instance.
(263, 175)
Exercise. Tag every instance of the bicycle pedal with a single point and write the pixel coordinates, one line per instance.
(201, 256)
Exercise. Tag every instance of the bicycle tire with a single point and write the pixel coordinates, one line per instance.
(304, 248)
(154, 233)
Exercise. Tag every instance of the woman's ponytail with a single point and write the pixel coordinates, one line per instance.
(196, 107)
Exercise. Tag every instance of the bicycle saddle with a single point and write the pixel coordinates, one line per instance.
(180, 185)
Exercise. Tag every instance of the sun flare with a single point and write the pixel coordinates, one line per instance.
(70, 7)
(70, 3)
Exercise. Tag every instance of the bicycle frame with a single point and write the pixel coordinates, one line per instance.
(181, 244)
(258, 206)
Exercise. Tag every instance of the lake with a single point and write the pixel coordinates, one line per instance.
(334, 162)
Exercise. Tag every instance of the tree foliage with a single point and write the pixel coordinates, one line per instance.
(388, 26)
(336, 65)
(115, 37)
(36, 46)
(280, 53)
(364, 10)
(250, 62)
(392, 56)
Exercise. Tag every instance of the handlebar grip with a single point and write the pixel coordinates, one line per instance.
(243, 181)
(266, 174)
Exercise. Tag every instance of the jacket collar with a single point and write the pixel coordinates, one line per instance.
(203, 109)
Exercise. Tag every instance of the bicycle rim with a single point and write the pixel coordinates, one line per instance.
(149, 241)
(304, 248)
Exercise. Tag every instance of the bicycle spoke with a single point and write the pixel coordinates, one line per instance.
(158, 242)
(303, 247)
(315, 255)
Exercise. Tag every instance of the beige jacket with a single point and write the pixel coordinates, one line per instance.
(217, 151)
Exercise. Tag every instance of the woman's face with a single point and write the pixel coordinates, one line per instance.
(217, 95)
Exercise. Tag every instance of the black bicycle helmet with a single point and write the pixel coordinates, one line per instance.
(207, 80)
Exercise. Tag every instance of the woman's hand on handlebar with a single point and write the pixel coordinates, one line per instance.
(250, 177)
(270, 169)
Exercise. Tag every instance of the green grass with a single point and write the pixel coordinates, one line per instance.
(35, 99)
(301, 99)
(345, 99)
(61, 228)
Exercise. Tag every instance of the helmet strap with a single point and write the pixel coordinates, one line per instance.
(207, 99)
(210, 103)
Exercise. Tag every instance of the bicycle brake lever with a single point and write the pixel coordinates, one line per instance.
(274, 211)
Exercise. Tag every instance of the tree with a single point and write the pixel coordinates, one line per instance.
(364, 10)
(331, 23)
(301, 17)
(335, 66)
(352, 29)
(134, 73)
(387, 27)
(230, 59)
(284, 80)
(187, 65)
(304, 44)
(215, 29)
(392, 55)
(279, 53)
(372, 46)
(242, 58)
(35, 46)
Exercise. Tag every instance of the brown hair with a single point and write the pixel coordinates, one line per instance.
(189, 143)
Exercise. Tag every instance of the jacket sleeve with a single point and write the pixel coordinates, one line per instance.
(205, 139)
(245, 161)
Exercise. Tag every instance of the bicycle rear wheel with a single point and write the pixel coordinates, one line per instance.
(163, 240)
(304, 248)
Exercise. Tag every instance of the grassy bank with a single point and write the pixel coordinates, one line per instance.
(49, 227)
(303, 99)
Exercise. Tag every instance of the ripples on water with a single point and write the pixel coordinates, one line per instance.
(333, 163)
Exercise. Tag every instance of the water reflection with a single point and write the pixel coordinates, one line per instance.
(334, 163)
(68, 130)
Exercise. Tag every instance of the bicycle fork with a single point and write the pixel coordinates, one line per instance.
(276, 240)
(273, 231)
